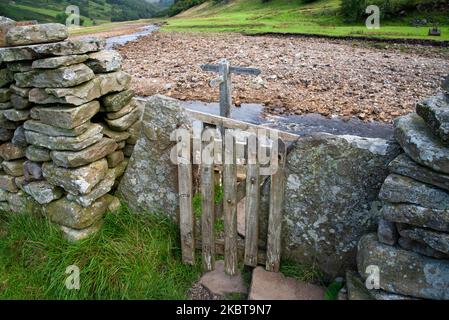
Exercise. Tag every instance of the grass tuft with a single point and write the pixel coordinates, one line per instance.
(134, 256)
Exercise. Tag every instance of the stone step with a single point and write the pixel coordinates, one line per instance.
(221, 284)
(267, 285)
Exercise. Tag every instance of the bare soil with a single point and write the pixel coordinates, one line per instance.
(299, 75)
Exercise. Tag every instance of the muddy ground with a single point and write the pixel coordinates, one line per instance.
(299, 75)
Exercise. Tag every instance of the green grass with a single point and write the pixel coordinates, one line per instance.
(281, 16)
(134, 256)
(301, 272)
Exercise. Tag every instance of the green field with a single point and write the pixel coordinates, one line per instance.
(281, 16)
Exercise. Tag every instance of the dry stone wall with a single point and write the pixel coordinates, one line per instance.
(411, 248)
(68, 123)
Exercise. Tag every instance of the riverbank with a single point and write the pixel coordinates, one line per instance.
(299, 75)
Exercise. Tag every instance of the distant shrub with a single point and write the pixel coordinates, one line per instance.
(354, 10)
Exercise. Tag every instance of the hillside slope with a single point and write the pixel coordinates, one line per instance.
(322, 17)
(92, 11)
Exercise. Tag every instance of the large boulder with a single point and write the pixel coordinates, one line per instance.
(332, 183)
(404, 272)
(150, 182)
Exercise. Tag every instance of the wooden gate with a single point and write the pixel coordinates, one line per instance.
(238, 181)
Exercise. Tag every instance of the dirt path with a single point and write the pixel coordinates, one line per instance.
(299, 75)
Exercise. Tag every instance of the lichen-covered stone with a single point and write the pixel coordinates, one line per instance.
(16, 115)
(104, 61)
(21, 92)
(67, 118)
(115, 135)
(386, 232)
(102, 188)
(134, 132)
(150, 182)
(37, 154)
(436, 240)
(126, 121)
(128, 150)
(20, 103)
(63, 48)
(5, 134)
(18, 66)
(5, 94)
(402, 271)
(131, 106)
(116, 101)
(435, 112)
(18, 138)
(37, 126)
(56, 62)
(73, 159)
(43, 192)
(7, 183)
(72, 215)
(14, 167)
(115, 158)
(420, 144)
(421, 248)
(86, 139)
(119, 170)
(32, 171)
(55, 78)
(5, 105)
(417, 216)
(6, 77)
(323, 227)
(9, 151)
(77, 181)
(73, 235)
(20, 202)
(400, 189)
(37, 33)
(101, 85)
(405, 166)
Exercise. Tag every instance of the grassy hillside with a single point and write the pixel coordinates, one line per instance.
(92, 11)
(322, 17)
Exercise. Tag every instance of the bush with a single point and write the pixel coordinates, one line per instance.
(354, 10)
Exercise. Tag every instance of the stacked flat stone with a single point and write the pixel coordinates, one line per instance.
(67, 121)
(411, 247)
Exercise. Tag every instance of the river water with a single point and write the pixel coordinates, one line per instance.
(253, 113)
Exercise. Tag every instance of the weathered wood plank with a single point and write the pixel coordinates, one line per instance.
(275, 211)
(220, 245)
(236, 124)
(225, 90)
(207, 216)
(230, 206)
(236, 70)
(186, 216)
(252, 204)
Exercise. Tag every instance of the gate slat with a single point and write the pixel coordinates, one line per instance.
(252, 204)
(230, 206)
(275, 212)
(186, 216)
(207, 216)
